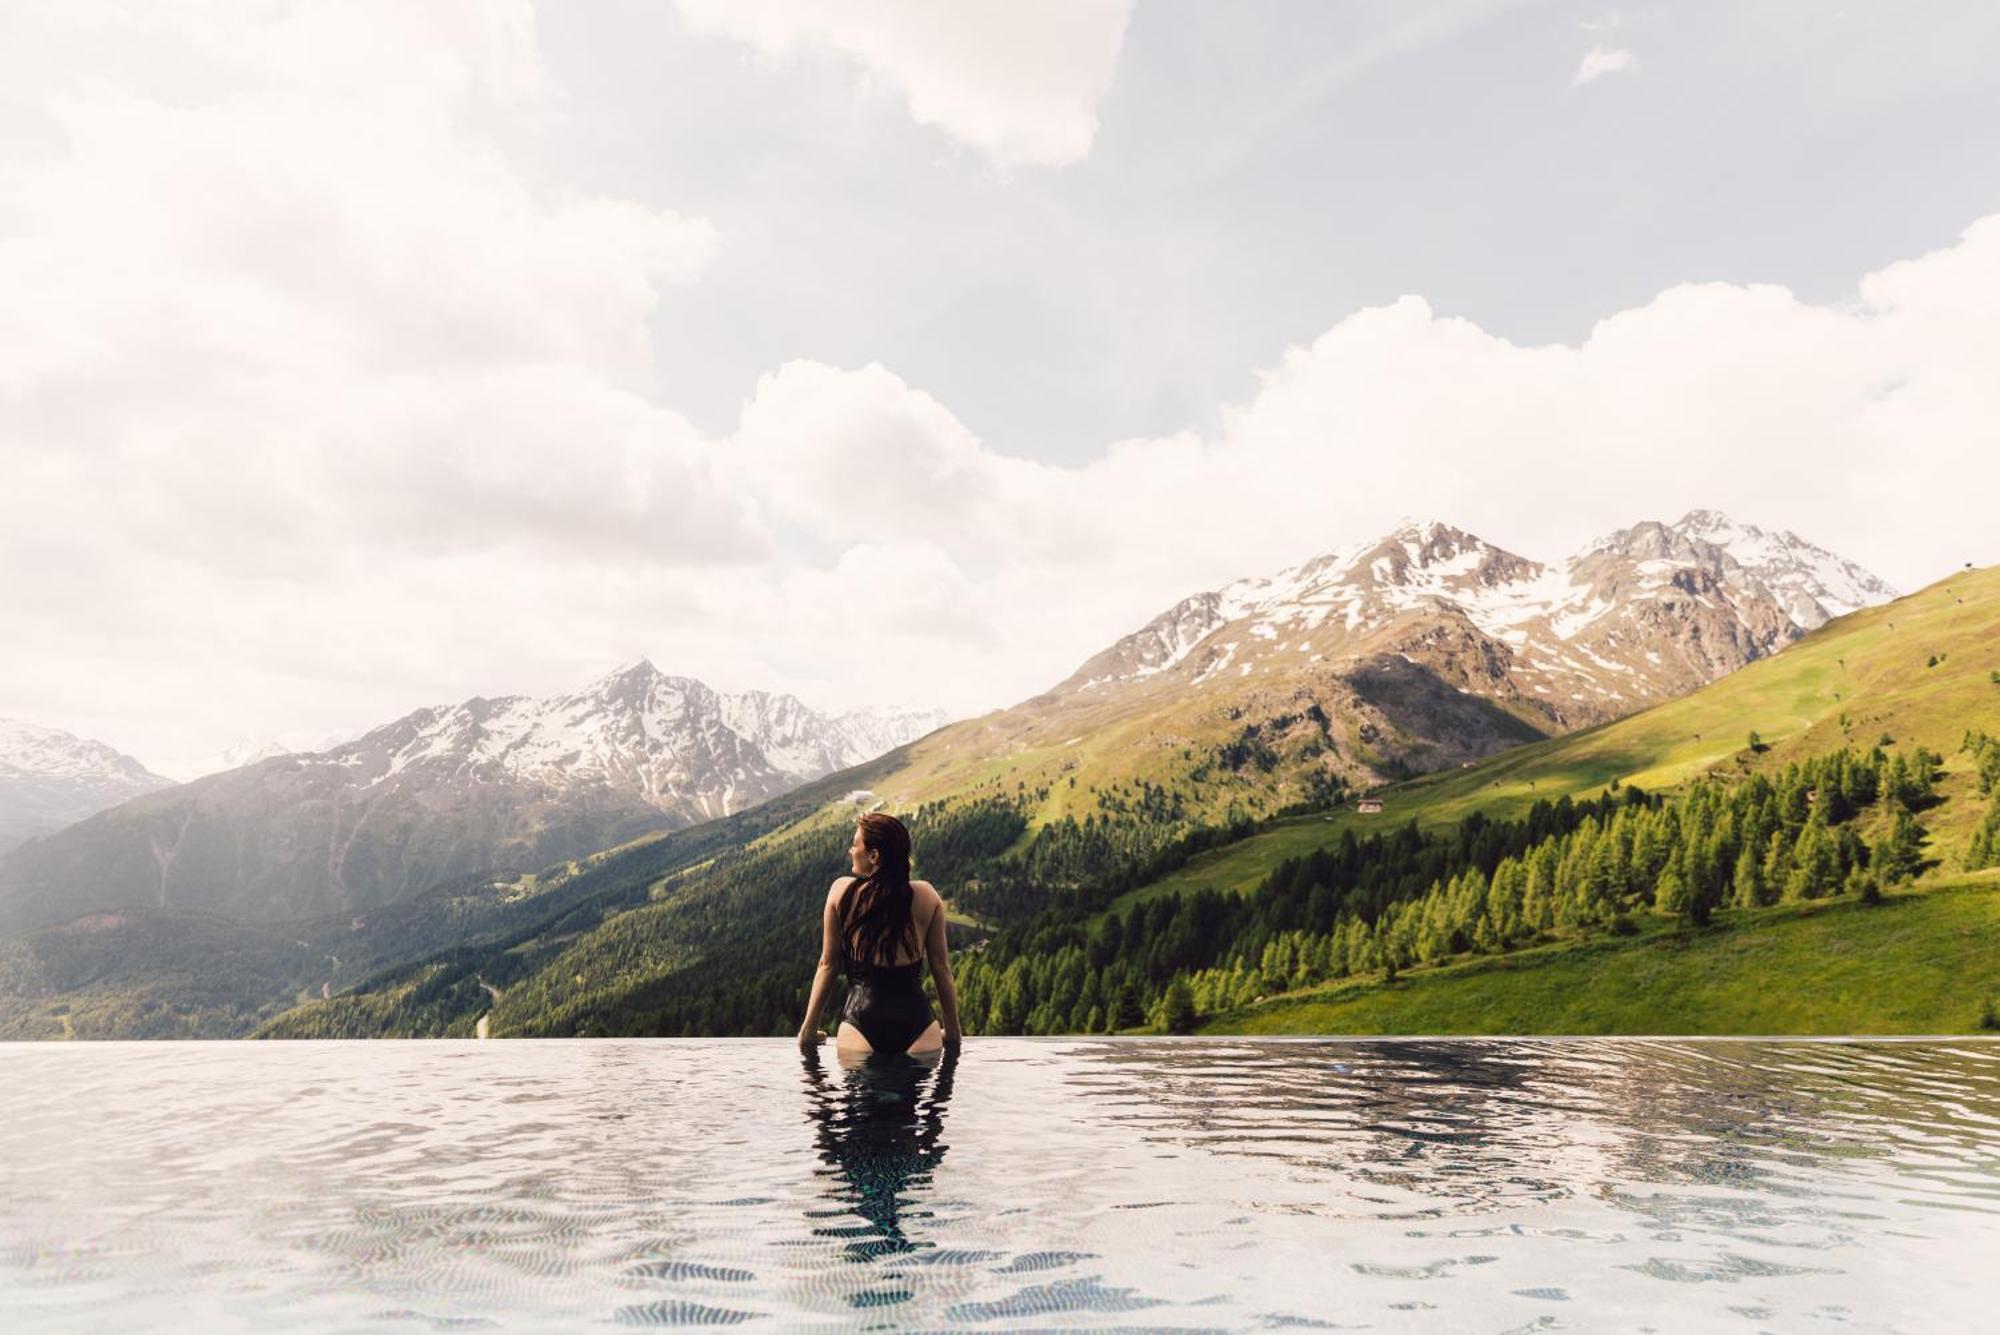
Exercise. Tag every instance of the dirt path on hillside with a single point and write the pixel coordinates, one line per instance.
(479, 1030)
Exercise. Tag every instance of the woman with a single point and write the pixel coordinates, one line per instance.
(873, 922)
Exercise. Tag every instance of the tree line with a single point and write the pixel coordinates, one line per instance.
(1404, 898)
(1984, 849)
(724, 946)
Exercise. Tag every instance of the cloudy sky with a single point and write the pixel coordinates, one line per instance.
(355, 358)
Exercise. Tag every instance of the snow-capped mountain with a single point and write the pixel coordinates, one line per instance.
(1641, 615)
(249, 750)
(673, 742)
(516, 780)
(1816, 585)
(50, 778)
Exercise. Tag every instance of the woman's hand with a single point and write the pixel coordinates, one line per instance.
(809, 1040)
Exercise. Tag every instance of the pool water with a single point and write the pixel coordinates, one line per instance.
(1160, 1184)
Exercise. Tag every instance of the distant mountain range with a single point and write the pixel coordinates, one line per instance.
(1417, 653)
(1639, 616)
(727, 949)
(440, 792)
(1423, 650)
(50, 778)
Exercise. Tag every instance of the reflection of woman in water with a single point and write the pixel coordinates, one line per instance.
(878, 1127)
(873, 922)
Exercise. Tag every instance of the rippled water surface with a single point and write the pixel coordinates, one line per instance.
(1484, 1185)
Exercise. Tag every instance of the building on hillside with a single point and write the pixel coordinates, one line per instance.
(1369, 806)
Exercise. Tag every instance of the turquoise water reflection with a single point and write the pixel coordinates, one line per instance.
(1488, 1185)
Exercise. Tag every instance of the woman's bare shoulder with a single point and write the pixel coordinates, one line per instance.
(928, 890)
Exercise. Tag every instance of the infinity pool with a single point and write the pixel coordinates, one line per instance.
(1478, 1185)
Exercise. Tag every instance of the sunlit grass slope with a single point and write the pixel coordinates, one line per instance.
(1925, 961)
(1918, 670)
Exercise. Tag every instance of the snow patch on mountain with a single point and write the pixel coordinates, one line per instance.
(1817, 584)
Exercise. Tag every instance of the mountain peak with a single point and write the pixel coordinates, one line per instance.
(1437, 556)
(632, 681)
(1703, 521)
(1427, 531)
(641, 664)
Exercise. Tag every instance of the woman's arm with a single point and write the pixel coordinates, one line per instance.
(941, 974)
(829, 961)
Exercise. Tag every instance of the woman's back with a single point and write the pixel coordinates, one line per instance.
(885, 997)
(906, 944)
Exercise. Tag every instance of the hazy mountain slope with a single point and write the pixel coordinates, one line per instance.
(443, 791)
(250, 750)
(50, 779)
(139, 972)
(734, 885)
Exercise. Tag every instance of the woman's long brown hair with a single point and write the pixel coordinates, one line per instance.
(875, 912)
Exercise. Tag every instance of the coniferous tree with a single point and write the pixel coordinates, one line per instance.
(1538, 899)
(1009, 1012)
(1815, 866)
(1129, 1014)
(1984, 850)
(1671, 896)
(1604, 880)
(1777, 861)
(1898, 855)
(1178, 1007)
(1748, 885)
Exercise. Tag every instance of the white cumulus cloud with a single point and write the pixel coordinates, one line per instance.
(1868, 426)
(286, 343)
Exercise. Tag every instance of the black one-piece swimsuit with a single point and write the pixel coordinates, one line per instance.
(886, 1002)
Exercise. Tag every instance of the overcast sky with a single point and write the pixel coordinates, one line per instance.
(355, 358)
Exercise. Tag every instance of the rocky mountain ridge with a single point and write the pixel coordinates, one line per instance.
(1640, 615)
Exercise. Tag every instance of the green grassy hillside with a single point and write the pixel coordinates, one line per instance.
(1927, 961)
(1917, 670)
(144, 973)
(1700, 851)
